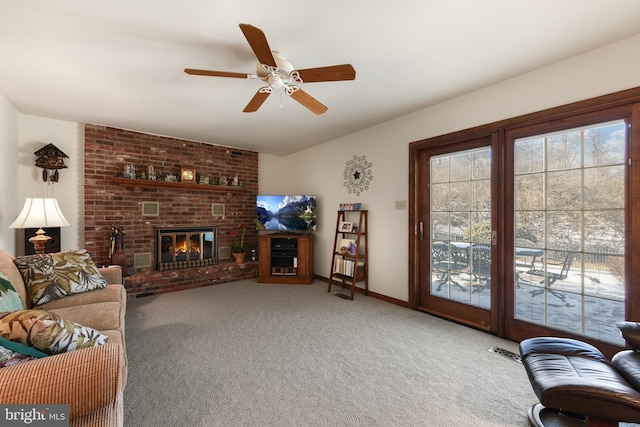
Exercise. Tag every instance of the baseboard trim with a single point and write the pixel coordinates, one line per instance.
(375, 295)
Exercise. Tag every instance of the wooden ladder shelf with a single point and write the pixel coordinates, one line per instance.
(350, 260)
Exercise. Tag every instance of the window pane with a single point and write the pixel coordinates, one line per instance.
(528, 155)
(604, 231)
(570, 230)
(440, 197)
(460, 166)
(481, 161)
(604, 145)
(564, 151)
(481, 195)
(564, 189)
(529, 192)
(460, 214)
(602, 189)
(439, 169)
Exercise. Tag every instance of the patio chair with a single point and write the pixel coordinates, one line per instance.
(551, 277)
(481, 265)
(446, 261)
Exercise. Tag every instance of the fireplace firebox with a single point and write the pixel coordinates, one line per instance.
(187, 247)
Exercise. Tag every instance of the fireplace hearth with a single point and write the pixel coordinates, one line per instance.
(187, 247)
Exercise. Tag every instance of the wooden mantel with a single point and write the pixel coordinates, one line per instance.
(144, 183)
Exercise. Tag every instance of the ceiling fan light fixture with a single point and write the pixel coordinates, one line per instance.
(278, 73)
(281, 62)
(275, 81)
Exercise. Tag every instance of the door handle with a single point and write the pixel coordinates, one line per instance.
(421, 230)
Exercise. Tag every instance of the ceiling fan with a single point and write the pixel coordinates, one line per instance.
(278, 73)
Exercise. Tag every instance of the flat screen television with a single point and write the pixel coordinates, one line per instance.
(295, 213)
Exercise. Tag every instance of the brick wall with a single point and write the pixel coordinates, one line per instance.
(106, 203)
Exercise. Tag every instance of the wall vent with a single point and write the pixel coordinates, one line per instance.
(150, 209)
(217, 210)
(224, 252)
(142, 260)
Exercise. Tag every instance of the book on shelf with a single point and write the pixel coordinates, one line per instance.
(346, 267)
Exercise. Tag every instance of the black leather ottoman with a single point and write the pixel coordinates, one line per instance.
(574, 378)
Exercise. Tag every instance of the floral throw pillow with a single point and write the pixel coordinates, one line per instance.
(47, 331)
(9, 298)
(52, 276)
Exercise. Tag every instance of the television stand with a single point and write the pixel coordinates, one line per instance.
(285, 258)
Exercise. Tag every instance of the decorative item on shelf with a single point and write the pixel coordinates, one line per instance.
(151, 173)
(357, 174)
(350, 206)
(237, 244)
(204, 180)
(214, 181)
(116, 250)
(239, 257)
(235, 180)
(143, 175)
(50, 158)
(348, 246)
(171, 178)
(39, 213)
(346, 227)
(130, 170)
(223, 180)
(188, 175)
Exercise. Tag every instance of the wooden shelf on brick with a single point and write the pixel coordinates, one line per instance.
(142, 183)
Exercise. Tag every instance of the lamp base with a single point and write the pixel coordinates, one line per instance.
(40, 241)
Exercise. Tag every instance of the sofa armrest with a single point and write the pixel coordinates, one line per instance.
(68, 378)
(113, 274)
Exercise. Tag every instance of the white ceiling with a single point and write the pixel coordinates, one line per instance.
(120, 62)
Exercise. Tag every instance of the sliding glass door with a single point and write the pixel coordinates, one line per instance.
(569, 230)
(527, 228)
(457, 277)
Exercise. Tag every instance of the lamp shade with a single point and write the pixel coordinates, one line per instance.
(40, 212)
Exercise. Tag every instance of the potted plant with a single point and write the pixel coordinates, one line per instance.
(237, 244)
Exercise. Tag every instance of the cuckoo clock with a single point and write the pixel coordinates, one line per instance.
(50, 158)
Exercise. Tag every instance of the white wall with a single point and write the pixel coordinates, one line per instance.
(319, 169)
(270, 174)
(35, 133)
(10, 205)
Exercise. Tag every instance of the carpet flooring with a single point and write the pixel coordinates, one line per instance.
(249, 354)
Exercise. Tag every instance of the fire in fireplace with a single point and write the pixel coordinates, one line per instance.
(187, 247)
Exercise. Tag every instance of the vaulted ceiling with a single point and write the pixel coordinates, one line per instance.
(121, 63)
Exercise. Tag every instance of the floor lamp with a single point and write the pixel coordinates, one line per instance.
(39, 213)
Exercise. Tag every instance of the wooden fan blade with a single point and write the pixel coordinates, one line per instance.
(332, 73)
(215, 73)
(257, 101)
(258, 42)
(309, 101)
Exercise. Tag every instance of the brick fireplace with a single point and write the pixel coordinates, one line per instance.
(109, 201)
(185, 247)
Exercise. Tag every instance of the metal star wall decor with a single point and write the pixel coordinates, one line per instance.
(357, 174)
